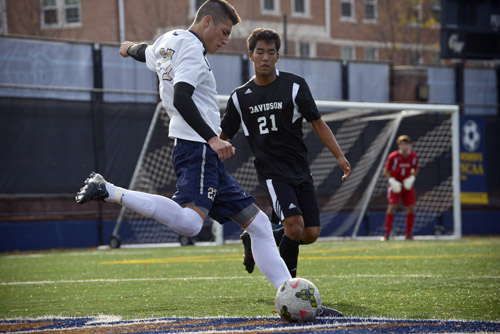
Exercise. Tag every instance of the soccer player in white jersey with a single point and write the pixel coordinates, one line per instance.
(270, 108)
(204, 187)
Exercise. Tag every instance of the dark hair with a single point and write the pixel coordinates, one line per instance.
(219, 10)
(261, 34)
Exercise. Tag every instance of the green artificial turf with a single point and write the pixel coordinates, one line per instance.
(434, 279)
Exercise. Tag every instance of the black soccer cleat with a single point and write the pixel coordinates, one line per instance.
(93, 190)
(329, 312)
(248, 260)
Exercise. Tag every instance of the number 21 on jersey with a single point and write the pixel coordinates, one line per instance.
(263, 124)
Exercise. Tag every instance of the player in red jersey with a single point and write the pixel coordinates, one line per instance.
(400, 169)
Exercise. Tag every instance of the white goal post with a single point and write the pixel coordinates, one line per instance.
(352, 209)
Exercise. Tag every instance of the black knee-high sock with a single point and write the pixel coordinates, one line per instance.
(278, 235)
(289, 251)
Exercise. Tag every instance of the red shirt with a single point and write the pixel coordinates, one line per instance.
(399, 166)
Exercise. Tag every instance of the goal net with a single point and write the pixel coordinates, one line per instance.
(355, 208)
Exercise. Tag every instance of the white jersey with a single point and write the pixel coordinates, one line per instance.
(179, 56)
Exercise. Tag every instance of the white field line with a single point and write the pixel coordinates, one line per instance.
(297, 328)
(103, 321)
(124, 250)
(148, 248)
(146, 279)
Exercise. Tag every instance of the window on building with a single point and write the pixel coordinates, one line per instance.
(416, 57)
(72, 11)
(304, 49)
(371, 54)
(415, 12)
(347, 9)
(348, 53)
(61, 13)
(370, 10)
(270, 7)
(301, 7)
(436, 11)
(49, 12)
(1, 15)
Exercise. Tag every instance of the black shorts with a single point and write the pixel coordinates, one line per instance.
(288, 200)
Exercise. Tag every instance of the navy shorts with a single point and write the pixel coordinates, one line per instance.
(202, 179)
(288, 200)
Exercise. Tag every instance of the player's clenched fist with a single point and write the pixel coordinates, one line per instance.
(124, 47)
(223, 148)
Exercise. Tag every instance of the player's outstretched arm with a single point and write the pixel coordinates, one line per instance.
(326, 136)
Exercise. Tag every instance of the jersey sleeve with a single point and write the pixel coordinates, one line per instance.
(305, 102)
(150, 58)
(231, 120)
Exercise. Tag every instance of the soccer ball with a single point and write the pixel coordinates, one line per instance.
(298, 300)
(471, 136)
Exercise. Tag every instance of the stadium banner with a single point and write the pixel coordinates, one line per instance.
(473, 160)
(31, 62)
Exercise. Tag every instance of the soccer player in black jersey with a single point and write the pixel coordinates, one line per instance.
(270, 108)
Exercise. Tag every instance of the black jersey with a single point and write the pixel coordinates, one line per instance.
(271, 117)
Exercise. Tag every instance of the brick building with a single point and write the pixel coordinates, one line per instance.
(401, 31)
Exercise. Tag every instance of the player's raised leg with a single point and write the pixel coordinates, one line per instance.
(185, 221)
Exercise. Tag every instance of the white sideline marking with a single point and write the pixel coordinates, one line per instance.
(146, 249)
(103, 319)
(111, 280)
(107, 321)
(104, 280)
